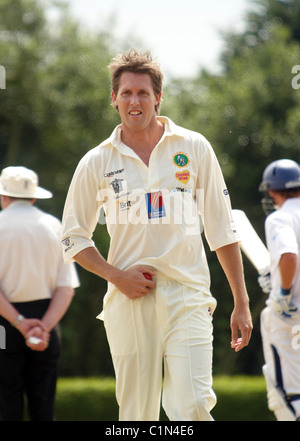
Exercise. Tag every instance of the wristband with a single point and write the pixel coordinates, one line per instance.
(18, 320)
(285, 292)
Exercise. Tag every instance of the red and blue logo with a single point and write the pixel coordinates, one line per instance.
(155, 205)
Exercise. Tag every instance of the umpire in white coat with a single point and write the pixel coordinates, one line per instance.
(36, 288)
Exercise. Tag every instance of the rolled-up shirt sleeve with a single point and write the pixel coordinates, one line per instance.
(81, 211)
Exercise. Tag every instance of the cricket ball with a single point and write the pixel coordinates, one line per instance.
(147, 276)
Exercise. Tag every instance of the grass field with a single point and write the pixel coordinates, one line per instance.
(93, 399)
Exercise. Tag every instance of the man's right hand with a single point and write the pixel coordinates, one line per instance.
(133, 283)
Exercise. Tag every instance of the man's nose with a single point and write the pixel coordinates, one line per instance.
(134, 99)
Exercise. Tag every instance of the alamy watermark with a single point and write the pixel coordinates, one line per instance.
(2, 77)
(296, 78)
(177, 207)
(2, 337)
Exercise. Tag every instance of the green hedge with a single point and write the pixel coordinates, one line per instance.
(241, 399)
(93, 399)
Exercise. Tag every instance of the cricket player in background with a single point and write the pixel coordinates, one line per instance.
(281, 319)
(158, 307)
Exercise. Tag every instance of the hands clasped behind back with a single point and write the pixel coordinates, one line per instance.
(34, 328)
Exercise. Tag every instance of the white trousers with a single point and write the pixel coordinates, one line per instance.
(168, 331)
(281, 347)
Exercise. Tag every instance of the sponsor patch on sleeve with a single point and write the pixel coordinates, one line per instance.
(67, 243)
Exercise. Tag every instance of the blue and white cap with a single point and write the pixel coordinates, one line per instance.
(283, 174)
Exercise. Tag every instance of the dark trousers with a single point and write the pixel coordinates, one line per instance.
(24, 372)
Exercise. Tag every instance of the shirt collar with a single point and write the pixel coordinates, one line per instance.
(17, 203)
(291, 201)
(171, 129)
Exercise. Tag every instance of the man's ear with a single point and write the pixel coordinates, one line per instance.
(114, 100)
(158, 98)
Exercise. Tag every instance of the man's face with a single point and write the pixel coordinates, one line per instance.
(136, 101)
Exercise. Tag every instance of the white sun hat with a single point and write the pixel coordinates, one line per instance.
(21, 182)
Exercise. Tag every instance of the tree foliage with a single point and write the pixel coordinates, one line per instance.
(250, 114)
(56, 106)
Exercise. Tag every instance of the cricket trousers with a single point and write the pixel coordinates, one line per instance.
(161, 345)
(281, 347)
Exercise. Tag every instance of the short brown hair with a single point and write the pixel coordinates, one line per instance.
(290, 193)
(136, 62)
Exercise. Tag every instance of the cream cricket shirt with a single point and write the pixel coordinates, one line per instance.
(152, 212)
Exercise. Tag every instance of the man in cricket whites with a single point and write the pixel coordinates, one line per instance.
(280, 319)
(151, 177)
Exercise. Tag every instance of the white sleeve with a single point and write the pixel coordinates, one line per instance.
(67, 276)
(215, 205)
(280, 237)
(81, 211)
